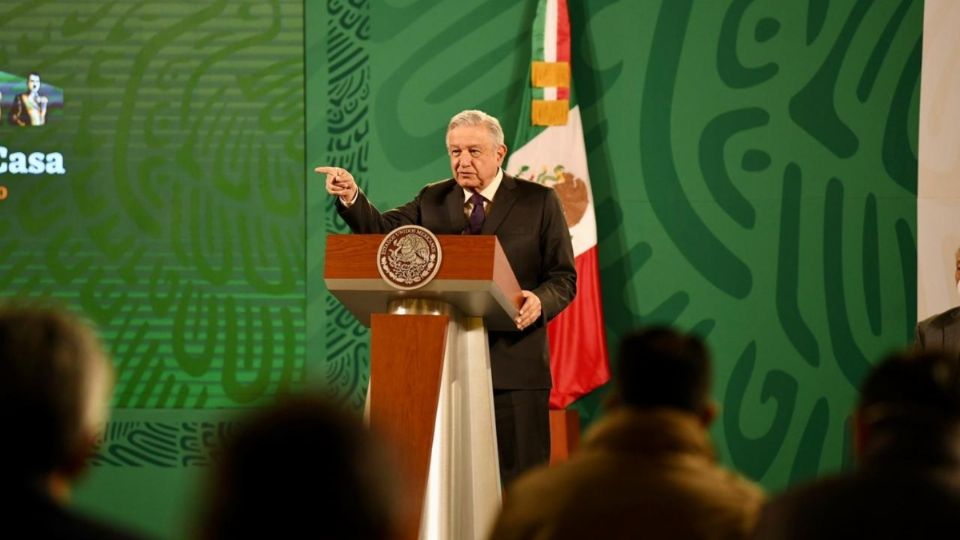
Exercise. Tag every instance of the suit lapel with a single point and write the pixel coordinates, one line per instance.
(454, 203)
(951, 331)
(502, 203)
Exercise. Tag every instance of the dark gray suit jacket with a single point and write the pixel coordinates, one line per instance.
(528, 220)
(939, 333)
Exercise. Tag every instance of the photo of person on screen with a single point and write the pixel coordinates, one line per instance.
(30, 107)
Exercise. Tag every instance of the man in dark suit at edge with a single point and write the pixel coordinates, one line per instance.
(941, 332)
(528, 220)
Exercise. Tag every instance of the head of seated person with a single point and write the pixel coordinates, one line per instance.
(660, 368)
(909, 409)
(300, 465)
(55, 386)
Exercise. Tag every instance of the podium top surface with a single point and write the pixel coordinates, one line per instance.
(474, 276)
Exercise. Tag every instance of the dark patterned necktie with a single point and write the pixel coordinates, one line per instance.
(477, 215)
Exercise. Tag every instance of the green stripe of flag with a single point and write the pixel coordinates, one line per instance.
(539, 31)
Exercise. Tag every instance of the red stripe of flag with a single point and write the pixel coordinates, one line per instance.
(563, 41)
(578, 344)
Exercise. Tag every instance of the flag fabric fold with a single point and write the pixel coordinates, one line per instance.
(549, 149)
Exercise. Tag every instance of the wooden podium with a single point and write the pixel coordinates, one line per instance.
(430, 393)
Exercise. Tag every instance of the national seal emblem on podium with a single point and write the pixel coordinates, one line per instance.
(409, 257)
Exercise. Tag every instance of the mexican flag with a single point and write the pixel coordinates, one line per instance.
(549, 149)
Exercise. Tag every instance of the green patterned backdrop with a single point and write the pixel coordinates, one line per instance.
(179, 227)
(754, 168)
(753, 161)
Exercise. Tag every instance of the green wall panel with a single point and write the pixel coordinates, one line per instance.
(754, 170)
(179, 226)
(753, 161)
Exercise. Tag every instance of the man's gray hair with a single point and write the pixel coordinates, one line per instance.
(478, 118)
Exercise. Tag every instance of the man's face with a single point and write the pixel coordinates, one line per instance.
(956, 274)
(474, 157)
(33, 83)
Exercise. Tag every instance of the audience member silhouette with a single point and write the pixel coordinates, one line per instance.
(301, 469)
(906, 483)
(646, 469)
(55, 386)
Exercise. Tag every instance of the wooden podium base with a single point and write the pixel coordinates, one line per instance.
(431, 393)
(445, 439)
(564, 434)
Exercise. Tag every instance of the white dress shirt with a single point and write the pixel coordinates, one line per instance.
(487, 193)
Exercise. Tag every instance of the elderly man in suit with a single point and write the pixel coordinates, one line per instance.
(528, 220)
(941, 332)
